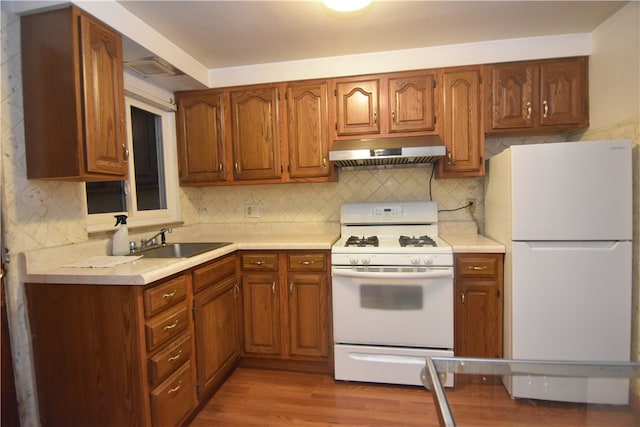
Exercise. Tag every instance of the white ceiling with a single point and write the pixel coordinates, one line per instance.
(221, 34)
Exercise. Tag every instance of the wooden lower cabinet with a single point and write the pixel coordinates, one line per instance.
(286, 309)
(478, 315)
(217, 309)
(113, 355)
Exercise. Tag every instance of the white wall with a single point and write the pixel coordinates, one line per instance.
(615, 67)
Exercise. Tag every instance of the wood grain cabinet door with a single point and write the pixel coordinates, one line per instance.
(513, 96)
(103, 98)
(308, 111)
(216, 318)
(357, 107)
(261, 293)
(308, 314)
(200, 134)
(411, 103)
(564, 93)
(463, 132)
(255, 133)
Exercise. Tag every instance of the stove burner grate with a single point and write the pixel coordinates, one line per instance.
(416, 241)
(362, 241)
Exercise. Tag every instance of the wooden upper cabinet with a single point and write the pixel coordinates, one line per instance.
(200, 135)
(308, 129)
(73, 97)
(255, 134)
(357, 107)
(411, 103)
(538, 96)
(463, 128)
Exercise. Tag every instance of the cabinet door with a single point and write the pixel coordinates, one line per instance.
(308, 110)
(103, 98)
(261, 293)
(217, 320)
(463, 132)
(564, 93)
(478, 305)
(357, 107)
(200, 134)
(255, 135)
(478, 330)
(411, 103)
(308, 315)
(512, 93)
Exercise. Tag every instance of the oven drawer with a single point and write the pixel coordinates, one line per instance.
(389, 365)
(483, 265)
(259, 261)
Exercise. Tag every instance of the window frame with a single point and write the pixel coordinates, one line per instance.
(135, 218)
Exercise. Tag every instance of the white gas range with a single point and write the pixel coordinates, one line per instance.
(392, 282)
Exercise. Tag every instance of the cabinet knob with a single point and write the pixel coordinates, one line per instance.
(545, 109)
(393, 117)
(237, 167)
(449, 161)
(529, 110)
(291, 288)
(273, 288)
(220, 167)
(462, 298)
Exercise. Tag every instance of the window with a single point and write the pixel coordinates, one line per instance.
(150, 196)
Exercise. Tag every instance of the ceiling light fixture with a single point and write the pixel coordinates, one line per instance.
(346, 5)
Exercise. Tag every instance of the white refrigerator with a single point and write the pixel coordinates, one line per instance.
(564, 213)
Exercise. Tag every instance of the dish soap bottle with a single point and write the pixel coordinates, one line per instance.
(120, 242)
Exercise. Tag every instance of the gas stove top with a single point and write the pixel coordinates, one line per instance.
(396, 233)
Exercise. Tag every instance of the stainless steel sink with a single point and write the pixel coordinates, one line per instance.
(180, 250)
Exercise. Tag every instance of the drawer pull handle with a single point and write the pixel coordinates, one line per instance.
(477, 267)
(273, 288)
(291, 288)
(176, 357)
(173, 325)
(529, 110)
(170, 295)
(259, 262)
(175, 389)
(306, 262)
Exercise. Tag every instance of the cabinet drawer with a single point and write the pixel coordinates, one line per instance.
(260, 261)
(311, 261)
(161, 328)
(172, 400)
(479, 265)
(167, 360)
(164, 295)
(213, 272)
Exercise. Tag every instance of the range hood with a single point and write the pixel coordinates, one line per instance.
(400, 151)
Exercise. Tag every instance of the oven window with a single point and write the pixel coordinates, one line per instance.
(391, 297)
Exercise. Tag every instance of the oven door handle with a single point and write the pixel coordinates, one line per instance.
(431, 274)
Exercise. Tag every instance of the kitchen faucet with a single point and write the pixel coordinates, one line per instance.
(154, 240)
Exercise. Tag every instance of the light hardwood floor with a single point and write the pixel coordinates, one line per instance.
(253, 397)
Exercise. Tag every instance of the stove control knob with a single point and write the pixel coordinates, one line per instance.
(366, 261)
(428, 260)
(353, 260)
(414, 260)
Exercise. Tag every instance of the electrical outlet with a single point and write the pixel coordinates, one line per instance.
(471, 206)
(251, 210)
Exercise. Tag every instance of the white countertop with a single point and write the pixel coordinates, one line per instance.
(468, 242)
(47, 265)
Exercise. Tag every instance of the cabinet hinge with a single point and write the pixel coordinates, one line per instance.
(335, 92)
(193, 313)
(480, 78)
(435, 84)
(435, 119)
(336, 126)
(281, 169)
(498, 293)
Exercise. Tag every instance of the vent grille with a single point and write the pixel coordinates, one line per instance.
(387, 161)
